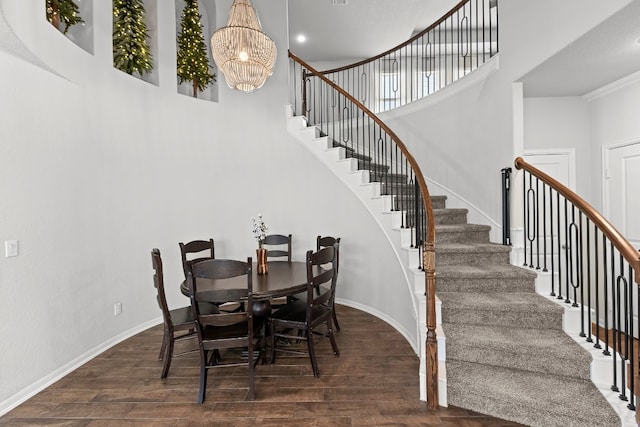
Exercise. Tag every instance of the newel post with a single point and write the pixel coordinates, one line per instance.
(431, 343)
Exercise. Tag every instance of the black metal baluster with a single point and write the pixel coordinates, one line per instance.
(606, 297)
(559, 247)
(597, 286)
(544, 227)
(406, 195)
(324, 89)
(446, 63)
(572, 265)
(537, 219)
(568, 270)
(416, 208)
(589, 304)
(578, 247)
(484, 31)
(335, 111)
(615, 288)
(551, 239)
(529, 221)
(580, 276)
(453, 56)
(634, 363)
(623, 334)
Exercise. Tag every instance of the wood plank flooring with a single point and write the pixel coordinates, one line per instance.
(374, 382)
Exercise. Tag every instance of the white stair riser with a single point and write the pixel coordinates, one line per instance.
(335, 158)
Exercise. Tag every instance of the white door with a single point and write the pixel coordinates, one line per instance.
(622, 199)
(557, 165)
(560, 166)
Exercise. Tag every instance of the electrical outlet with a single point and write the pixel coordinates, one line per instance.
(117, 309)
(10, 248)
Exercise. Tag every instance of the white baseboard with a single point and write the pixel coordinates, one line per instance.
(30, 391)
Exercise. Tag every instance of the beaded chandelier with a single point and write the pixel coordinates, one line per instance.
(242, 51)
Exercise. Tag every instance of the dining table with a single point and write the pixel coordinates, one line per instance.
(282, 279)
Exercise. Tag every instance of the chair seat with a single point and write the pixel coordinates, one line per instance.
(303, 295)
(231, 331)
(184, 315)
(297, 311)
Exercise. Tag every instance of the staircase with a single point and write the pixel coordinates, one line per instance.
(506, 352)
(502, 348)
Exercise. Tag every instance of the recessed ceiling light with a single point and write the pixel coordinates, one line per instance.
(301, 38)
(338, 2)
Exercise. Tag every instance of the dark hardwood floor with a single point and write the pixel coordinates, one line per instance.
(374, 382)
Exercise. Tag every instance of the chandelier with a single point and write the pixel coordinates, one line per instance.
(242, 51)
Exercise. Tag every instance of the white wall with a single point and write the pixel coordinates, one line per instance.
(561, 123)
(613, 115)
(98, 167)
(605, 117)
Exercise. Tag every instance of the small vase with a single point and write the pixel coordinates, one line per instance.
(262, 261)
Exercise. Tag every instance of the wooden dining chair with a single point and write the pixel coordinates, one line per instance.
(312, 317)
(196, 250)
(179, 323)
(224, 330)
(323, 242)
(275, 246)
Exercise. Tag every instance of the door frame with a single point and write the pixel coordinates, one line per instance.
(606, 151)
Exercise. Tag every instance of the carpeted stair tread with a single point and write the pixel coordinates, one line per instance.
(516, 309)
(450, 216)
(547, 351)
(452, 253)
(507, 271)
(452, 228)
(534, 399)
(499, 302)
(471, 248)
(438, 202)
(457, 233)
(484, 278)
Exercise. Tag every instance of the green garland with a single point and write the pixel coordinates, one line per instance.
(193, 63)
(65, 11)
(131, 52)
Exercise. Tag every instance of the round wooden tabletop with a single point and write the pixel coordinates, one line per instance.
(284, 278)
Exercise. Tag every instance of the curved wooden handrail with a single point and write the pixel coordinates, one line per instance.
(414, 165)
(622, 244)
(403, 44)
(428, 262)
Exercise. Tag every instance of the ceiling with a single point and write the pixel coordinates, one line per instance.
(358, 29)
(603, 55)
(365, 28)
